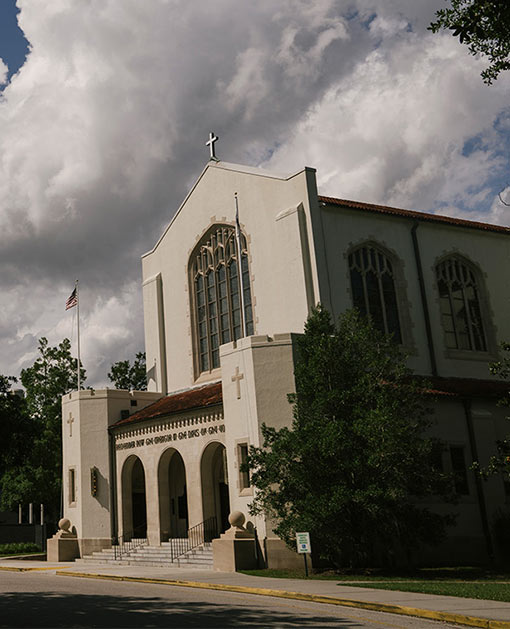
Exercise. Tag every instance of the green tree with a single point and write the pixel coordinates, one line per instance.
(484, 26)
(130, 377)
(355, 455)
(35, 474)
(15, 426)
(500, 462)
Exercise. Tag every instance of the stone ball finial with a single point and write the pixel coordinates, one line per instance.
(236, 519)
(64, 524)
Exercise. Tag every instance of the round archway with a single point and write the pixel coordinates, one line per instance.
(215, 496)
(173, 498)
(134, 501)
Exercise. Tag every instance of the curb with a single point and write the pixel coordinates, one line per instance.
(18, 569)
(460, 619)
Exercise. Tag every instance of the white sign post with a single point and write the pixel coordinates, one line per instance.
(304, 547)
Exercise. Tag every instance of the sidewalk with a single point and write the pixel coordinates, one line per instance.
(465, 611)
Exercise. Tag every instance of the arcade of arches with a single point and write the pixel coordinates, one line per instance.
(170, 475)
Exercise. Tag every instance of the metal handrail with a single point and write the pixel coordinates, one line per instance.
(127, 543)
(198, 535)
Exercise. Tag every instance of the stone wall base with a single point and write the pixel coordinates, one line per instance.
(62, 549)
(93, 544)
(279, 556)
(230, 555)
(71, 548)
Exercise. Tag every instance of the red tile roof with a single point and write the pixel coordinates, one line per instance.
(411, 214)
(467, 387)
(207, 395)
(211, 395)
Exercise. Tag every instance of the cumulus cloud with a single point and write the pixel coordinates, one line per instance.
(395, 129)
(102, 131)
(4, 70)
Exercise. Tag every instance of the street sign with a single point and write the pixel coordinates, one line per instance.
(303, 543)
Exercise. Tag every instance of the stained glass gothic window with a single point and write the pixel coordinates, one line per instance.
(217, 295)
(373, 289)
(459, 299)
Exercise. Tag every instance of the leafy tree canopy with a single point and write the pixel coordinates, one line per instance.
(355, 454)
(484, 26)
(15, 425)
(130, 377)
(500, 462)
(34, 471)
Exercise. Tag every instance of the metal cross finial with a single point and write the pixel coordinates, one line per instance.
(210, 144)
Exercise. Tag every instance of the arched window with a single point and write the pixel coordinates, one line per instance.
(217, 299)
(459, 299)
(373, 289)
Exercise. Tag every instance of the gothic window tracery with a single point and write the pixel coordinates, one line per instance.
(373, 288)
(217, 298)
(460, 304)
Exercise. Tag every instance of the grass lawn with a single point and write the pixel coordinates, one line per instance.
(292, 574)
(488, 590)
(464, 582)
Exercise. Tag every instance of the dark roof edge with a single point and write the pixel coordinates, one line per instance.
(463, 388)
(413, 214)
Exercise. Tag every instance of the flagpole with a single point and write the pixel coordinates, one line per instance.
(78, 332)
(240, 266)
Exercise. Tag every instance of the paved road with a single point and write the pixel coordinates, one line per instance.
(42, 599)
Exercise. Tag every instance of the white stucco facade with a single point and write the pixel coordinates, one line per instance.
(169, 458)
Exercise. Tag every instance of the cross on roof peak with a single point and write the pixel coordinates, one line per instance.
(210, 143)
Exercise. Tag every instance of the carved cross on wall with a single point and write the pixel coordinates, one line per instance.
(70, 422)
(237, 377)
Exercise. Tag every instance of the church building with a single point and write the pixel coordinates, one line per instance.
(225, 296)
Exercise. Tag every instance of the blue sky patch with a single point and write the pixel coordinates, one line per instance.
(13, 45)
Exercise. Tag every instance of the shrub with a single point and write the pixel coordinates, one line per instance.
(18, 548)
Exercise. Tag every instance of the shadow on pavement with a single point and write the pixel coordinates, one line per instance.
(51, 609)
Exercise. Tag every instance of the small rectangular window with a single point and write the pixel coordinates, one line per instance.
(460, 480)
(244, 474)
(72, 485)
(436, 456)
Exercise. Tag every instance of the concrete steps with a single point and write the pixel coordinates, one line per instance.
(144, 555)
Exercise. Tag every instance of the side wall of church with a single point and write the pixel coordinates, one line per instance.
(343, 229)
(467, 540)
(273, 214)
(488, 251)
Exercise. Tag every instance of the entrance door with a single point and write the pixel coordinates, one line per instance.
(139, 500)
(134, 506)
(215, 491)
(173, 496)
(178, 497)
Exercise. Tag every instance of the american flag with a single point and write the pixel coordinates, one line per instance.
(73, 300)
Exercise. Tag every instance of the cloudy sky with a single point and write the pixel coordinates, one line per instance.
(102, 131)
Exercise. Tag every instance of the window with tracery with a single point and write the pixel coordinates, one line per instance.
(217, 298)
(459, 299)
(373, 289)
